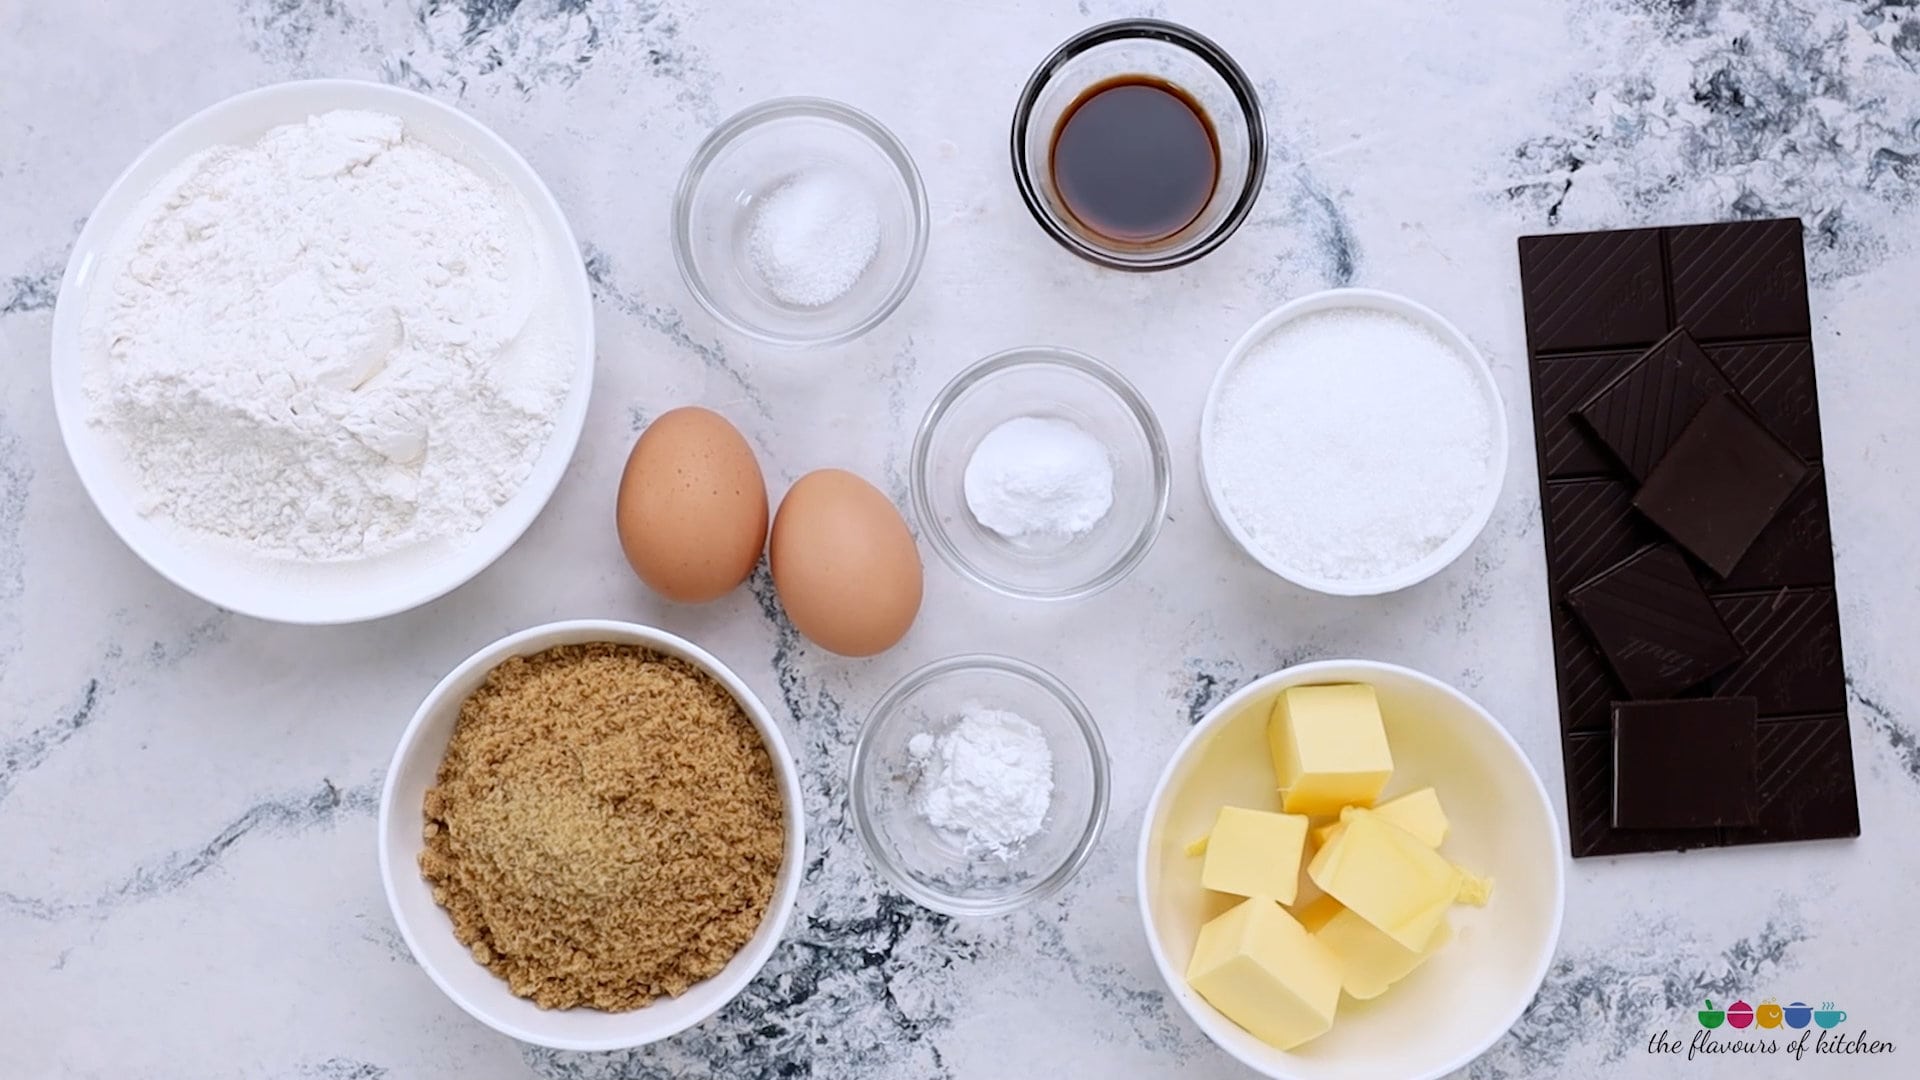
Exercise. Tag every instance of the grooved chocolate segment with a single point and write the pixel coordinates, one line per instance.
(1776, 379)
(1589, 761)
(1591, 525)
(1655, 625)
(1564, 384)
(1796, 549)
(1743, 280)
(1806, 783)
(1722, 482)
(1684, 764)
(1792, 666)
(1587, 688)
(1593, 291)
(1640, 414)
(1739, 291)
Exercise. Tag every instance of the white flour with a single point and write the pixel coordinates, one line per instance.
(989, 778)
(323, 346)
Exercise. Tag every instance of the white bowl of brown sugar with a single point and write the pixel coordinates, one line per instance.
(591, 835)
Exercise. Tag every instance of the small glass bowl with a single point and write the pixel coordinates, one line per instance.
(1045, 382)
(929, 865)
(750, 156)
(1174, 54)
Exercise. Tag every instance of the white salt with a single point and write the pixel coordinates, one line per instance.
(1349, 445)
(813, 236)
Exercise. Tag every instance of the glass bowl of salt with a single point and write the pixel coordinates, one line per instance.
(1041, 473)
(979, 785)
(800, 222)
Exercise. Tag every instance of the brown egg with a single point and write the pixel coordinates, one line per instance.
(692, 511)
(844, 564)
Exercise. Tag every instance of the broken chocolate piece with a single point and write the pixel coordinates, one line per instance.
(1686, 764)
(1639, 414)
(1723, 481)
(1655, 625)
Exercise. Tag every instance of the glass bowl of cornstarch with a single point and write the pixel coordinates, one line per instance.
(979, 785)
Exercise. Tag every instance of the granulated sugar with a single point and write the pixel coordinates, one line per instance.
(1351, 444)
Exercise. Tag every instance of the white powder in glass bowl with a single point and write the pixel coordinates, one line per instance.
(1350, 444)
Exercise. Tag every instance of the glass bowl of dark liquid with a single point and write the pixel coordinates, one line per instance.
(1139, 144)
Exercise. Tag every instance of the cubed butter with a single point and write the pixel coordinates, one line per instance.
(1385, 875)
(1370, 961)
(1261, 968)
(1474, 890)
(1255, 853)
(1418, 812)
(1197, 847)
(1316, 913)
(1329, 747)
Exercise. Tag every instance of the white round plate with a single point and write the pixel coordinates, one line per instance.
(283, 590)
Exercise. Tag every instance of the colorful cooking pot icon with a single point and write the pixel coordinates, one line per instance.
(1828, 1016)
(1711, 1017)
(1799, 1014)
(1740, 1014)
(1768, 1015)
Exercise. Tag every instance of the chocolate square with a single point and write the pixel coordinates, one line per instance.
(1589, 761)
(1589, 292)
(1744, 279)
(1776, 380)
(1586, 684)
(1807, 787)
(1640, 414)
(1793, 665)
(1795, 549)
(1684, 764)
(1655, 625)
(1590, 526)
(1724, 479)
(1561, 385)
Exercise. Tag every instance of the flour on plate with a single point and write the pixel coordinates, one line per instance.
(330, 344)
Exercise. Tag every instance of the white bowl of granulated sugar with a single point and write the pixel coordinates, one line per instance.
(1353, 442)
(323, 351)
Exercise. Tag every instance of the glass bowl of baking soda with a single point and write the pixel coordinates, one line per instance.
(800, 222)
(979, 785)
(1040, 473)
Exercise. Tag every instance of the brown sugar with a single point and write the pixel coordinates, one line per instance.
(606, 826)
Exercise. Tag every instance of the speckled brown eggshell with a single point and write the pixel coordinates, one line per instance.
(844, 564)
(692, 511)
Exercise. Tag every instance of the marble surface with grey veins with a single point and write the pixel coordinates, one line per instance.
(187, 876)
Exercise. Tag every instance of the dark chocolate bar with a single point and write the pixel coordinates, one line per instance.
(1596, 307)
(1686, 764)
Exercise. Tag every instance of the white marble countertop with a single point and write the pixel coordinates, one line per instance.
(187, 875)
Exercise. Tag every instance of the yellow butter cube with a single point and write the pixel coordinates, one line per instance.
(1473, 889)
(1197, 847)
(1418, 812)
(1255, 853)
(1385, 875)
(1370, 961)
(1261, 968)
(1317, 912)
(1329, 747)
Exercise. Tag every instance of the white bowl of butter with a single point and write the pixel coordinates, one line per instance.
(1499, 826)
